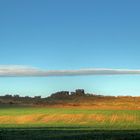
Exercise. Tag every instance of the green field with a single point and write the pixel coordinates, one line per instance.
(95, 119)
(70, 134)
(60, 123)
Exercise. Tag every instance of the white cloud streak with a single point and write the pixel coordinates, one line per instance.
(25, 71)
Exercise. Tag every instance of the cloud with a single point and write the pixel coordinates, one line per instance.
(25, 71)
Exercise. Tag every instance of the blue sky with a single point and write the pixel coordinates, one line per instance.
(72, 34)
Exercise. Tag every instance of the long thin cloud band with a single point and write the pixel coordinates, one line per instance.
(22, 71)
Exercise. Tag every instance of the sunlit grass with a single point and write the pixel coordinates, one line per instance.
(70, 117)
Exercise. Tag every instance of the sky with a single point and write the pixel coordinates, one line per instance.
(70, 34)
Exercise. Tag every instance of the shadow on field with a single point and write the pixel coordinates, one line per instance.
(66, 134)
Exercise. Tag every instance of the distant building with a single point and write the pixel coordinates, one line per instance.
(78, 92)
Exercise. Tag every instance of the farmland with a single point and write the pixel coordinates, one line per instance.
(97, 119)
(70, 116)
(61, 123)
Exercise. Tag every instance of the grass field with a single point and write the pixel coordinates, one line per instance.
(67, 134)
(69, 122)
(98, 119)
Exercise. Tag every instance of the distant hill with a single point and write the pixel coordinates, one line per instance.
(73, 99)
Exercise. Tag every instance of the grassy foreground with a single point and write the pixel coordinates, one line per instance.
(68, 123)
(70, 117)
(70, 134)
